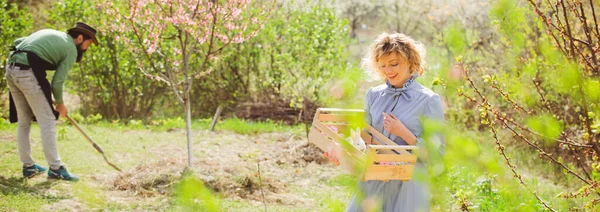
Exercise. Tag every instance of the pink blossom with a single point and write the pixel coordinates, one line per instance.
(253, 34)
(151, 48)
(236, 12)
(229, 26)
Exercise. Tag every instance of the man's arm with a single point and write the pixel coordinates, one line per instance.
(58, 81)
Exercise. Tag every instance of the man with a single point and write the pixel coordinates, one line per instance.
(31, 93)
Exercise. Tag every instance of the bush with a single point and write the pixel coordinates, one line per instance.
(15, 22)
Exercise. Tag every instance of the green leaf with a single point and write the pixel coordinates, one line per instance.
(192, 194)
(551, 55)
(546, 125)
(455, 37)
(592, 90)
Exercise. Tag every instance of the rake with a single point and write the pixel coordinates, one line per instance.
(92, 142)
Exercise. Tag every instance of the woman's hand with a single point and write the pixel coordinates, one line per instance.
(332, 156)
(394, 126)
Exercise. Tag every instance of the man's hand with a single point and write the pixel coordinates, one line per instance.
(62, 109)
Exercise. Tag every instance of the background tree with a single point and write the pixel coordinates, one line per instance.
(107, 82)
(307, 57)
(15, 22)
(358, 12)
(173, 35)
(296, 57)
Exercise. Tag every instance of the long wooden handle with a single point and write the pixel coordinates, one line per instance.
(85, 134)
(89, 139)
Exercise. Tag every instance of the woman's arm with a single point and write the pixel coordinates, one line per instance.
(394, 126)
(433, 111)
(368, 102)
(434, 114)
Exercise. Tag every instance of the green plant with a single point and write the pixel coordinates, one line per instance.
(540, 90)
(15, 22)
(192, 195)
(62, 132)
(77, 117)
(94, 118)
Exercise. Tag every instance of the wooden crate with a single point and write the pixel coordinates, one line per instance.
(383, 159)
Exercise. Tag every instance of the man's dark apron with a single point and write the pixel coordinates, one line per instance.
(39, 67)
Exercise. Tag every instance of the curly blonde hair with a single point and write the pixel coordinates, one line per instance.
(406, 47)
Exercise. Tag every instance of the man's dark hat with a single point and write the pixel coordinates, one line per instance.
(85, 29)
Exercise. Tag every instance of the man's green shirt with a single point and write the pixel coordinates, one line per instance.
(53, 46)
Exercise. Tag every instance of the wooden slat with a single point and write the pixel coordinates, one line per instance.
(325, 138)
(394, 147)
(375, 141)
(380, 136)
(395, 158)
(384, 139)
(377, 172)
(367, 138)
(324, 129)
(334, 118)
(397, 168)
(370, 156)
(316, 117)
(352, 150)
(347, 160)
(341, 127)
(320, 140)
(341, 110)
(344, 128)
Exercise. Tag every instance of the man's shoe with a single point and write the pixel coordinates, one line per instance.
(32, 171)
(62, 174)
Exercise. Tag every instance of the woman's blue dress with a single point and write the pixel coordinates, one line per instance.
(410, 104)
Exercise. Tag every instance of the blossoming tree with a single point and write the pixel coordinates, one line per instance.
(179, 38)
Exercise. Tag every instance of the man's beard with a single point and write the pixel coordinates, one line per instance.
(79, 52)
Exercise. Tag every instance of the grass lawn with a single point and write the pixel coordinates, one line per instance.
(225, 175)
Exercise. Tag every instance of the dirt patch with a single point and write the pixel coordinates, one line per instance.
(228, 164)
(311, 153)
(282, 158)
(7, 138)
(158, 178)
(65, 205)
(148, 180)
(246, 187)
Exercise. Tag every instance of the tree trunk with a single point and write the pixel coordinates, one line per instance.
(188, 123)
(215, 118)
(305, 116)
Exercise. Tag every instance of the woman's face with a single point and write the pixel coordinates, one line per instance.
(395, 69)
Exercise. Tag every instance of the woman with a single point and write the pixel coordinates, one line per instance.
(396, 109)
